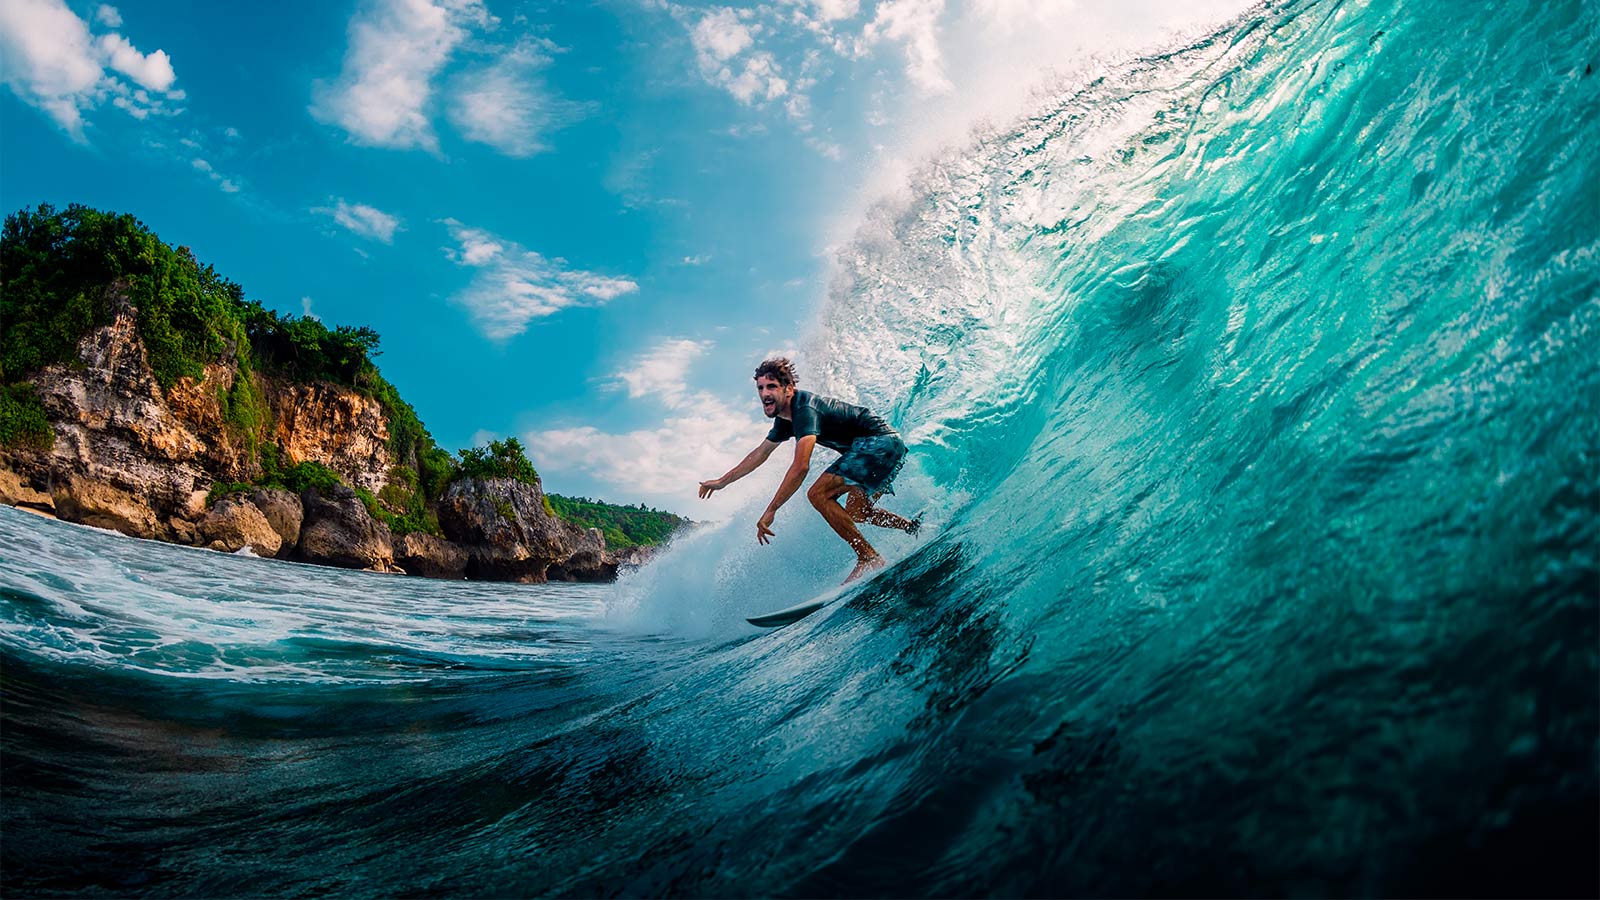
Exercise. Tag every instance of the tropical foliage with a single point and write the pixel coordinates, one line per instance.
(623, 526)
(498, 459)
(65, 272)
(22, 419)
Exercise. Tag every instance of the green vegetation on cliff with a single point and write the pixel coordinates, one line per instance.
(498, 459)
(22, 419)
(623, 526)
(64, 273)
(61, 276)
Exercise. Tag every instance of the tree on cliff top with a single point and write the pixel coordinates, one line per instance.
(498, 459)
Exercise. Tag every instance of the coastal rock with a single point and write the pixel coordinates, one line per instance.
(332, 425)
(90, 502)
(283, 512)
(504, 526)
(632, 557)
(15, 491)
(338, 531)
(430, 556)
(235, 522)
(184, 531)
(588, 560)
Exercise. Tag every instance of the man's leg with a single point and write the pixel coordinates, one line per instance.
(863, 510)
(824, 495)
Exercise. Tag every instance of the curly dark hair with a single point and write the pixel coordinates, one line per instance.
(779, 368)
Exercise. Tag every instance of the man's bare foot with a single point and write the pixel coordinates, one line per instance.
(870, 564)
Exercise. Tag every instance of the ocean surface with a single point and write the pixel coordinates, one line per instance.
(1253, 388)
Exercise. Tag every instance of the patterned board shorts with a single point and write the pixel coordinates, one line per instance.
(871, 463)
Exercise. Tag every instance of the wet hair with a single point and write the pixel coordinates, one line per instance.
(779, 368)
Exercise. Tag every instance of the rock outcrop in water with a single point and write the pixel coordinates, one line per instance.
(510, 534)
(235, 523)
(338, 531)
(135, 458)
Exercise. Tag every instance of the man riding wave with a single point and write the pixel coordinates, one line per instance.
(870, 456)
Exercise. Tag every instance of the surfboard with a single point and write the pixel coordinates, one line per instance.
(789, 616)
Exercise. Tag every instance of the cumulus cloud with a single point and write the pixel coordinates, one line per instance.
(719, 38)
(364, 220)
(513, 286)
(701, 438)
(108, 16)
(396, 49)
(833, 10)
(50, 60)
(152, 71)
(914, 24)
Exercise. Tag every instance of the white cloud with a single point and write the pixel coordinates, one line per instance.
(507, 106)
(396, 48)
(719, 36)
(759, 78)
(305, 309)
(663, 372)
(151, 71)
(205, 168)
(50, 60)
(834, 10)
(513, 286)
(915, 25)
(699, 260)
(364, 220)
(108, 16)
(701, 439)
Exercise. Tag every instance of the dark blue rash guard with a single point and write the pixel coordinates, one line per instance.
(836, 423)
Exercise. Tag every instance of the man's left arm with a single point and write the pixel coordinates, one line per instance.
(792, 480)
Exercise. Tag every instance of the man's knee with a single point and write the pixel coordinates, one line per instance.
(818, 494)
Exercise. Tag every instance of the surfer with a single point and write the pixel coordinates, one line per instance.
(870, 455)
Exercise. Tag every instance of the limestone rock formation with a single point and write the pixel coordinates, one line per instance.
(118, 444)
(338, 531)
(430, 556)
(588, 560)
(91, 502)
(131, 455)
(234, 522)
(504, 527)
(332, 425)
(283, 512)
(15, 491)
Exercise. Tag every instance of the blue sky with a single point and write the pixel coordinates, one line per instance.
(577, 223)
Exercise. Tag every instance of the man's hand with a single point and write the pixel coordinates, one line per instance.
(764, 528)
(707, 488)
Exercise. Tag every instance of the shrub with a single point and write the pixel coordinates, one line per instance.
(623, 526)
(222, 489)
(498, 459)
(22, 420)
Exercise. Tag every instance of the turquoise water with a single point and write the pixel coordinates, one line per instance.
(1252, 391)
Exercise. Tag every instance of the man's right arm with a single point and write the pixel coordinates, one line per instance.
(750, 463)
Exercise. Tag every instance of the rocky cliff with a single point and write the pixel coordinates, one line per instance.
(133, 457)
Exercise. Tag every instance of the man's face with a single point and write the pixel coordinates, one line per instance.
(774, 396)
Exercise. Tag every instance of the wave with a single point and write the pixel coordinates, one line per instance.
(1252, 387)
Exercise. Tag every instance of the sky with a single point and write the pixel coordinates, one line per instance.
(579, 224)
